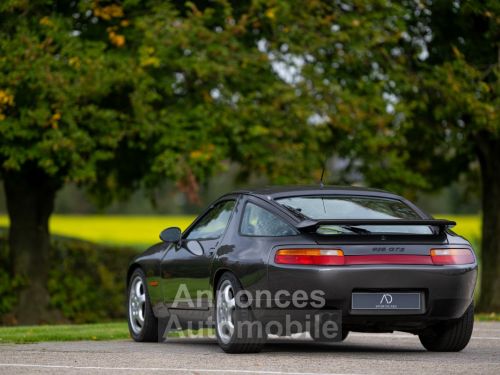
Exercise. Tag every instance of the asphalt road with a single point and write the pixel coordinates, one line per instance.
(360, 354)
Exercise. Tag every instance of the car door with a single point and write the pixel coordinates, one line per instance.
(185, 268)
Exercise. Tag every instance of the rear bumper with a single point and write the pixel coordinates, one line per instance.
(447, 291)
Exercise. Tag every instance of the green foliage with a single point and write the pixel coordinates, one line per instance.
(118, 95)
(207, 95)
(448, 96)
(115, 95)
(63, 113)
(9, 286)
(8, 290)
(349, 68)
(86, 281)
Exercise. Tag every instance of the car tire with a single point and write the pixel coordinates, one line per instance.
(142, 324)
(345, 333)
(225, 306)
(450, 336)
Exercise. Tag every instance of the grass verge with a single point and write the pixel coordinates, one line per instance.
(70, 332)
(487, 317)
(105, 331)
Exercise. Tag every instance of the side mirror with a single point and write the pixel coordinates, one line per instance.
(172, 234)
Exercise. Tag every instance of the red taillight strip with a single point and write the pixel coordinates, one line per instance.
(452, 256)
(387, 259)
(321, 257)
(319, 260)
(336, 257)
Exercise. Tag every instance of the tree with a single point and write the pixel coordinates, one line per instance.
(442, 87)
(340, 58)
(59, 116)
(432, 114)
(114, 96)
(451, 100)
(407, 94)
(276, 87)
(209, 96)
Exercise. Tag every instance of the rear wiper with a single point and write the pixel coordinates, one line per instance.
(295, 211)
(355, 229)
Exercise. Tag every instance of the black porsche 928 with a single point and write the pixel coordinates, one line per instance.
(373, 257)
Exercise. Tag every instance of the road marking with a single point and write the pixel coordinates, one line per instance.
(410, 336)
(67, 367)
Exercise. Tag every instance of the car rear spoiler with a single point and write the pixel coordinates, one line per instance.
(311, 225)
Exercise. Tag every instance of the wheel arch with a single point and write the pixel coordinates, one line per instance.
(217, 275)
(131, 270)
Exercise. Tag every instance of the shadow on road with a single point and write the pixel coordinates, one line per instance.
(307, 346)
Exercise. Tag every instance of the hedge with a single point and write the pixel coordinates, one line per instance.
(86, 280)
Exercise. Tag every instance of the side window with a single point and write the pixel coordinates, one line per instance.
(214, 223)
(258, 221)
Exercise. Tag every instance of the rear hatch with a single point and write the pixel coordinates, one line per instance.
(387, 244)
(363, 272)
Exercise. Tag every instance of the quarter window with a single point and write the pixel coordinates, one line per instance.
(214, 223)
(258, 221)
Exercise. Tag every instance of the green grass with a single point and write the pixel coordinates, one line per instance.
(487, 317)
(107, 331)
(100, 331)
(79, 332)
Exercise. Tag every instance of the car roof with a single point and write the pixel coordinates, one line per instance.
(275, 192)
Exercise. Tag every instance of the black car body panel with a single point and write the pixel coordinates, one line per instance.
(446, 291)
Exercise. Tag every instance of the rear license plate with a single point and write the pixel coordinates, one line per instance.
(406, 302)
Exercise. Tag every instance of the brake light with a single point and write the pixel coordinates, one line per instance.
(388, 259)
(325, 257)
(335, 257)
(452, 256)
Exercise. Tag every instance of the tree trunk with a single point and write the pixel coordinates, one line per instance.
(489, 158)
(30, 196)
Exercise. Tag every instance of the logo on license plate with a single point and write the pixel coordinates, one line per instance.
(387, 299)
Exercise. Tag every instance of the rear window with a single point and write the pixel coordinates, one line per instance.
(350, 207)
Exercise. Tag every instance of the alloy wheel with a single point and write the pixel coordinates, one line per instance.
(137, 304)
(226, 305)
